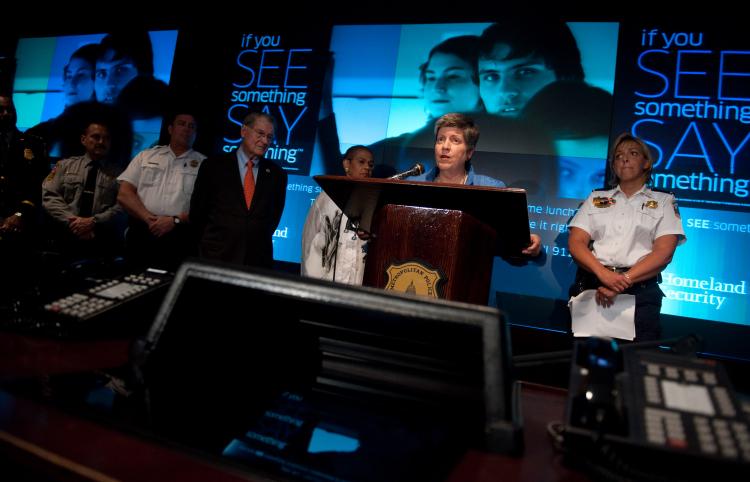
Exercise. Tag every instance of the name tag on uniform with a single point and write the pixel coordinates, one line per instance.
(603, 202)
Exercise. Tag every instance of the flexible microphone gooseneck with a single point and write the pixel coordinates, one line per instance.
(414, 171)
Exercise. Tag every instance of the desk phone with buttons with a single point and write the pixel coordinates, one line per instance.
(108, 294)
(648, 414)
(120, 306)
(685, 404)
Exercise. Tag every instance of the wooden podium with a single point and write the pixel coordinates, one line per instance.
(433, 239)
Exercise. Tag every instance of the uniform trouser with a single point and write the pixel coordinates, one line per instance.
(145, 250)
(106, 245)
(648, 298)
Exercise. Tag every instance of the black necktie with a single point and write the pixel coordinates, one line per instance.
(87, 197)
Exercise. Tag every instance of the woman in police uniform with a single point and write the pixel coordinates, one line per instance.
(633, 232)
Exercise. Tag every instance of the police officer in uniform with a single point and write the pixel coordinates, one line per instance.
(23, 165)
(622, 238)
(155, 190)
(80, 198)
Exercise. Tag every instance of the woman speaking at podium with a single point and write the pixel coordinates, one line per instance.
(456, 137)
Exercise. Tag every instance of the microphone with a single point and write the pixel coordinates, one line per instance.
(414, 171)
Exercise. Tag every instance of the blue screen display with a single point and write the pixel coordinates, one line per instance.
(686, 93)
(56, 73)
(384, 96)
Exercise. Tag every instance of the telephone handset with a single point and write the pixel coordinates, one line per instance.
(595, 405)
(657, 414)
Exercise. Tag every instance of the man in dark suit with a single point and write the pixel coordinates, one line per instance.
(239, 197)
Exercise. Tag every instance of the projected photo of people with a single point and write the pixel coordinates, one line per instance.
(491, 71)
(576, 117)
(449, 77)
(518, 59)
(145, 100)
(534, 72)
(124, 56)
(83, 74)
(78, 75)
(449, 83)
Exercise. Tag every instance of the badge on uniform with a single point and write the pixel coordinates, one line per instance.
(604, 202)
(28, 154)
(651, 204)
(51, 175)
(193, 163)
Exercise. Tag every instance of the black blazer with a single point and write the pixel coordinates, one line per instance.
(226, 229)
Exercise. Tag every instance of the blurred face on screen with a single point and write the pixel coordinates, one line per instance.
(506, 85)
(112, 75)
(78, 81)
(451, 151)
(257, 138)
(449, 85)
(578, 176)
(359, 165)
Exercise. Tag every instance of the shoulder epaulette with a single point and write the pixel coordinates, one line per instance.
(663, 191)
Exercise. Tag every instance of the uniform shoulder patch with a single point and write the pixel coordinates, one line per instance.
(603, 202)
(52, 173)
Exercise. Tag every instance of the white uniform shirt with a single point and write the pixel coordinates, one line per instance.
(319, 239)
(624, 231)
(164, 181)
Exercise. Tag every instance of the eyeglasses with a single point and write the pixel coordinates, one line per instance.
(260, 134)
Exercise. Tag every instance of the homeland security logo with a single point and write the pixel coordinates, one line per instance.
(414, 277)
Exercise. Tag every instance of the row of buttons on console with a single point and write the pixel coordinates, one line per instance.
(78, 305)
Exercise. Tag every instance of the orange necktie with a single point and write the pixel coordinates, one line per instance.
(249, 185)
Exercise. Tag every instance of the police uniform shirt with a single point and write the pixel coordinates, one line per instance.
(624, 229)
(63, 188)
(164, 182)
